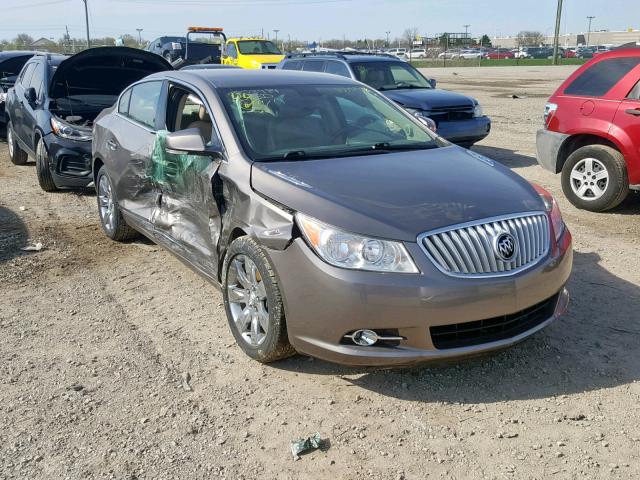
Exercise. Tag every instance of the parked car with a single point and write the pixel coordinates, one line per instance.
(252, 53)
(397, 52)
(417, 53)
(11, 63)
(55, 100)
(171, 48)
(584, 52)
(591, 131)
(331, 219)
(450, 54)
(499, 54)
(458, 118)
(471, 53)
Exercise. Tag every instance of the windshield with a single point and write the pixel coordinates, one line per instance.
(258, 47)
(297, 122)
(389, 75)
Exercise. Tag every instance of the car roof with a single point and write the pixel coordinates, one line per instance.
(15, 53)
(245, 78)
(349, 58)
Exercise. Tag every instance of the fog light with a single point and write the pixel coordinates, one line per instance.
(365, 338)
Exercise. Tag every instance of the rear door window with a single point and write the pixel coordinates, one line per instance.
(337, 68)
(143, 105)
(314, 66)
(597, 80)
(292, 65)
(634, 94)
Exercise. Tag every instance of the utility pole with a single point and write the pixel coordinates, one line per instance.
(590, 18)
(139, 30)
(466, 30)
(86, 18)
(276, 32)
(388, 33)
(556, 37)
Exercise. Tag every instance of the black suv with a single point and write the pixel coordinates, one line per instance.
(171, 48)
(55, 100)
(458, 118)
(10, 65)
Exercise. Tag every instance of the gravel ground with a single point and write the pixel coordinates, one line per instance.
(96, 339)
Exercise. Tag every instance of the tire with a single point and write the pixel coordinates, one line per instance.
(113, 224)
(16, 154)
(584, 182)
(42, 167)
(167, 56)
(257, 297)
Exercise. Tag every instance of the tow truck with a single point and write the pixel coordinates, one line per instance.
(251, 52)
(203, 45)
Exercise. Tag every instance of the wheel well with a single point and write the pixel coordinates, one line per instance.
(235, 233)
(575, 142)
(37, 134)
(97, 164)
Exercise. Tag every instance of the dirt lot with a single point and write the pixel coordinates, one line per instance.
(95, 337)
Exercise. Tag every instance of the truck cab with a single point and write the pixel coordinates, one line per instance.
(252, 53)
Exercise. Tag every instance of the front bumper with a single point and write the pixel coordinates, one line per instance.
(323, 303)
(548, 145)
(69, 162)
(465, 131)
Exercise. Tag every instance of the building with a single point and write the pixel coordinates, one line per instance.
(577, 39)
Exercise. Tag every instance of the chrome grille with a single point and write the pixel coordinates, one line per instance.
(469, 249)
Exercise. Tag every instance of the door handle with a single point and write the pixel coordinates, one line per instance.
(633, 111)
(112, 145)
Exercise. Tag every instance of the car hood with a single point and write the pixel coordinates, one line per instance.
(397, 195)
(428, 98)
(104, 71)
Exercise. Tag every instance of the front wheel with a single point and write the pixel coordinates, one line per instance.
(111, 220)
(42, 168)
(253, 302)
(595, 178)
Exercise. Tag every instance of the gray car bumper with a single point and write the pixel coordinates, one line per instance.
(324, 303)
(548, 145)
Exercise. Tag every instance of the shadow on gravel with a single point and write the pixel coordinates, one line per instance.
(595, 345)
(13, 235)
(505, 156)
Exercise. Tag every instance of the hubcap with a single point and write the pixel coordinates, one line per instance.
(105, 203)
(10, 141)
(248, 300)
(589, 179)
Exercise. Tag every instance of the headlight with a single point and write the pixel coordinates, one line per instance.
(552, 208)
(477, 111)
(72, 132)
(348, 250)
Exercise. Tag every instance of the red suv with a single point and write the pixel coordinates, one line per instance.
(592, 131)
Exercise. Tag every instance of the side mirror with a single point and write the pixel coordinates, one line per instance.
(432, 82)
(190, 141)
(30, 95)
(427, 122)
(158, 45)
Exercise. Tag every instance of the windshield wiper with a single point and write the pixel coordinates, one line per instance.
(386, 146)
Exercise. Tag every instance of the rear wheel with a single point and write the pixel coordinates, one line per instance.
(42, 168)
(595, 178)
(253, 302)
(16, 154)
(111, 220)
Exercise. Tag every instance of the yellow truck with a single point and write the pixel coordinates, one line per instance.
(253, 53)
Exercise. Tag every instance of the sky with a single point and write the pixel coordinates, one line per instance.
(310, 20)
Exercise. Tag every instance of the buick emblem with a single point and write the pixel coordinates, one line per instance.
(505, 246)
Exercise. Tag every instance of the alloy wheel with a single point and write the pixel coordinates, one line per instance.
(10, 141)
(589, 179)
(105, 202)
(247, 296)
